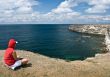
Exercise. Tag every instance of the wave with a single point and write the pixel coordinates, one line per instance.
(107, 39)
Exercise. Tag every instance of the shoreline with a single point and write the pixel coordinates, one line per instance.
(43, 66)
(98, 29)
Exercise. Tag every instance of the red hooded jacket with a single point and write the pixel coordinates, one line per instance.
(8, 57)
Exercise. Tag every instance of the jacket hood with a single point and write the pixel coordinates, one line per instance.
(11, 43)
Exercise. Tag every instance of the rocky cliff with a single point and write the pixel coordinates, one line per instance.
(90, 29)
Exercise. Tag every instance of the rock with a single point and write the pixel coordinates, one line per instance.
(90, 29)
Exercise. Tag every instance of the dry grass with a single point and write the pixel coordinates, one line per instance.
(42, 66)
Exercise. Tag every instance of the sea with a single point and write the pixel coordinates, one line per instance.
(52, 40)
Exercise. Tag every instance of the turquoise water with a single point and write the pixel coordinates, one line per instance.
(51, 40)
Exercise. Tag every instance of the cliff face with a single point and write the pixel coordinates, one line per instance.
(42, 66)
(90, 29)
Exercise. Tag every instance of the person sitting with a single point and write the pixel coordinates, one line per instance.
(10, 56)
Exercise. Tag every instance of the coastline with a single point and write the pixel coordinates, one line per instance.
(42, 66)
(90, 29)
(94, 29)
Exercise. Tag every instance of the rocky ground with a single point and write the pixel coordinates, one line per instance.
(42, 66)
(99, 29)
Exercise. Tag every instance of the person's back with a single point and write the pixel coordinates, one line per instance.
(8, 57)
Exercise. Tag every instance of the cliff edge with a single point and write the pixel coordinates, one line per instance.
(42, 66)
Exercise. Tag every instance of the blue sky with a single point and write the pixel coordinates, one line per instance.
(47, 5)
(55, 11)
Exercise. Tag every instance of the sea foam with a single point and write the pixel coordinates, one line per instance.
(107, 39)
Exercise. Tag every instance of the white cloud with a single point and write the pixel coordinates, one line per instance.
(21, 11)
(96, 17)
(64, 7)
(67, 6)
(98, 6)
(24, 10)
(15, 4)
(64, 11)
(16, 10)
